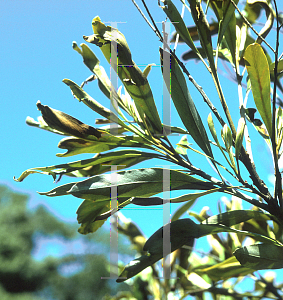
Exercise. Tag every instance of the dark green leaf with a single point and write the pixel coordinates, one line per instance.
(231, 218)
(260, 256)
(185, 106)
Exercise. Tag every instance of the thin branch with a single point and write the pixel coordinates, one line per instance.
(251, 27)
(244, 157)
(147, 21)
(278, 179)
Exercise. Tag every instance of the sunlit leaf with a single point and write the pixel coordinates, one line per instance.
(110, 158)
(76, 146)
(224, 270)
(194, 33)
(203, 30)
(258, 70)
(132, 77)
(239, 137)
(174, 16)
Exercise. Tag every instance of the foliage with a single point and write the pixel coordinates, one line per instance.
(23, 277)
(253, 237)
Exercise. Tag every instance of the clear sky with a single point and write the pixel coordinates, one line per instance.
(36, 55)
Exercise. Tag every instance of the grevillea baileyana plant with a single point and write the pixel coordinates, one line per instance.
(252, 240)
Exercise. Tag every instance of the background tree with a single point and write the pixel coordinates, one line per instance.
(23, 277)
(236, 174)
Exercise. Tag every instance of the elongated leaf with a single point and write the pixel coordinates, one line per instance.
(239, 137)
(260, 256)
(159, 201)
(137, 265)
(92, 62)
(123, 160)
(132, 77)
(228, 28)
(134, 183)
(110, 158)
(224, 270)
(81, 95)
(173, 14)
(203, 31)
(185, 106)
(184, 229)
(194, 33)
(258, 70)
(76, 146)
(184, 232)
(67, 124)
(234, 217)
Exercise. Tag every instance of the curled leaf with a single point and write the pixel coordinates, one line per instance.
(67, 124)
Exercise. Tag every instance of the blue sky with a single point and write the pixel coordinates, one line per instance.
(36, 55)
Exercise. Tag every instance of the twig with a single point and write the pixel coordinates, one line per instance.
(251, 27)
(278, 179)
(147, 21)
(244, 157)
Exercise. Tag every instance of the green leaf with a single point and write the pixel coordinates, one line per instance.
(131, 76)
(260, 256)
(279, 66)
(227, 28)
(194, 33)
(76, 146)
(239, 136)
(87, 213)
(224, 270)
(234, 217)
(137, 265)
(181, 231)
(258, 70)
(134, 183)
(226, 135)
(120, 157)
(185, 105)
(203, 31)
(92, 62)
(174, 16)
(81, 95)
